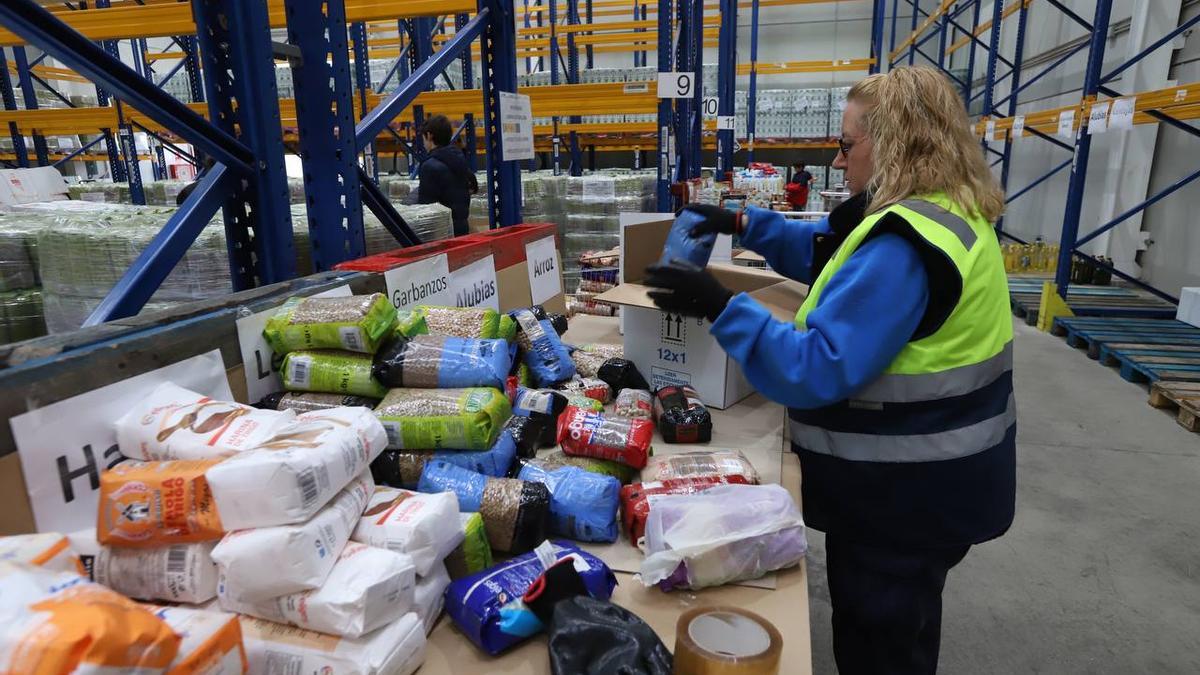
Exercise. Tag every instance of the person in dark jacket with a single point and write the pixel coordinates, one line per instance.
(445, 177)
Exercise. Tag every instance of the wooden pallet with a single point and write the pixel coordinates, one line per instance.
(1093, 333)
(1182, 395)
(1026, 295)
(1149, 362)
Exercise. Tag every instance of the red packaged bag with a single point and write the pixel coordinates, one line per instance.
(636, 498)
(584, 433)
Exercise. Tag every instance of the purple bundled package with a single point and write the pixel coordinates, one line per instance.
(475, 602)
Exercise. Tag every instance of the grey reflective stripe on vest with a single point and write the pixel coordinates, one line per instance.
(903, 388)
(946, 219)
(953, 444)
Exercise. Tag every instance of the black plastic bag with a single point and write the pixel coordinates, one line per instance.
(528, 434)
(596, 637)
(621, 374)
(303, 402)
(681, 417)
(544, 406)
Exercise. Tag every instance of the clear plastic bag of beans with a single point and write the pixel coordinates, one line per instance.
(357, 323)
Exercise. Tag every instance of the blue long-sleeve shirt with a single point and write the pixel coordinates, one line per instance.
(866, 314)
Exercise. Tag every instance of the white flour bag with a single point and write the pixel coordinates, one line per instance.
(367, 588)
(273, 648)
(298, 470)
(176, 423)
(175, 573)
(272, 561)
(424, 526)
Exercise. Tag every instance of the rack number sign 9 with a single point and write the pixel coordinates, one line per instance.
(676, 85)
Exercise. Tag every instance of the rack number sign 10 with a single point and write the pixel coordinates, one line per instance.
(711, 106)
(676, 85)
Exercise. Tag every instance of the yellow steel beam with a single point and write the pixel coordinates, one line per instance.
(1009, 10)
(599, 8)
(51, 73)
(564, 29)
(164, 56)
(824, 66)
(161, 20)
(580, 40)
(929, 21)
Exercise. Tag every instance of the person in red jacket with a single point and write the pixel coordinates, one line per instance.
(797, 189)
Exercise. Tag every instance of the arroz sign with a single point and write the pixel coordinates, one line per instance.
(545, 278)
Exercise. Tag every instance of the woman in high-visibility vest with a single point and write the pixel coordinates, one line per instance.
(897, 370)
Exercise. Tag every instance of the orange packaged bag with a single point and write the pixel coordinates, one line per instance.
(54, 623)
(156, 503)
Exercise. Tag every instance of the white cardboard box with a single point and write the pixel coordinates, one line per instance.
(1189, 306)
(672, 349)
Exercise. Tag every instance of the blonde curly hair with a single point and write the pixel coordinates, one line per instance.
(923, 142)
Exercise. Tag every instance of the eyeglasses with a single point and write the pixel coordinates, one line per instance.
(844, 147)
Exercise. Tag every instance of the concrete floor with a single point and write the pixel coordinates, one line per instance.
(1100, 572)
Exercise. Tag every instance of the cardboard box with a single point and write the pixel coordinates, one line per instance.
(1189, 306)
(508, 246)
(672, 349)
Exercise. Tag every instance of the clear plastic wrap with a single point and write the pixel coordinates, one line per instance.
(591, 434)
(583, 505)
(591, 387)
(435, 419)
(727, 533)
(557, 458)
(22, 316)
(637, 498)
(311, 401)
(464, 322)
(331, 371)
(515, 512)
(699, 463)
(402, 468)
(438, 361)
(634, 403)
(356, 323)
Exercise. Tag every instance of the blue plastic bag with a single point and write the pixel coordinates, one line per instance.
(681, 245)
(443, 362)
(548, 359)
(402, 468)
(515, 512)
(583, 505)
(476, 602)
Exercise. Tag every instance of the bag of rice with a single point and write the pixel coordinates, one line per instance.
(544, 353)
(588, 358)
(441, 362)
(155, 503)
(331, 372)
(274, 649)
(515, 512)
(634, 403)
(636, 499)
(48, 550)
(433, 419)
(474, 553)
(477, 602)
(297, 471)
(557, 458)
(416, 524)
(175, 573)
(56, 623)
(700, 463)
(543, 406)
(356, 323)
(402, 468)
(367, 588)
(583, 505)
(620, 439)
(583, 402)
(300, 556)
(212, 641)
(175, 423)
(591, 387)
(312, 401)
(428, 598)
(681, 416)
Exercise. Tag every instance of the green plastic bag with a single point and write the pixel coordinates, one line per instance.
(357, 323)
(437, 419)
(578, 400)
(465, 322)
(474, 554)
(331, 372)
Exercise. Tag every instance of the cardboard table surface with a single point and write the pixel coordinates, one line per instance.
(786, 606)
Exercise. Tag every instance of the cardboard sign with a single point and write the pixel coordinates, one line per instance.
(726, 123)
(258, 359)
(989, 131)
(62, 462)
(425, 282)
(545, 272)
(676, 85)
(1018, 127)
(475, 285)
(1066, 124)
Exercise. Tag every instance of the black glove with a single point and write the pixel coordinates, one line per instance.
(716, 219)
(687, 290)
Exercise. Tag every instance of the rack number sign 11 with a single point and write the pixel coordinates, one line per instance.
(676, 85)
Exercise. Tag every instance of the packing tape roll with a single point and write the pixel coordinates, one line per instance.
(726, 641)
